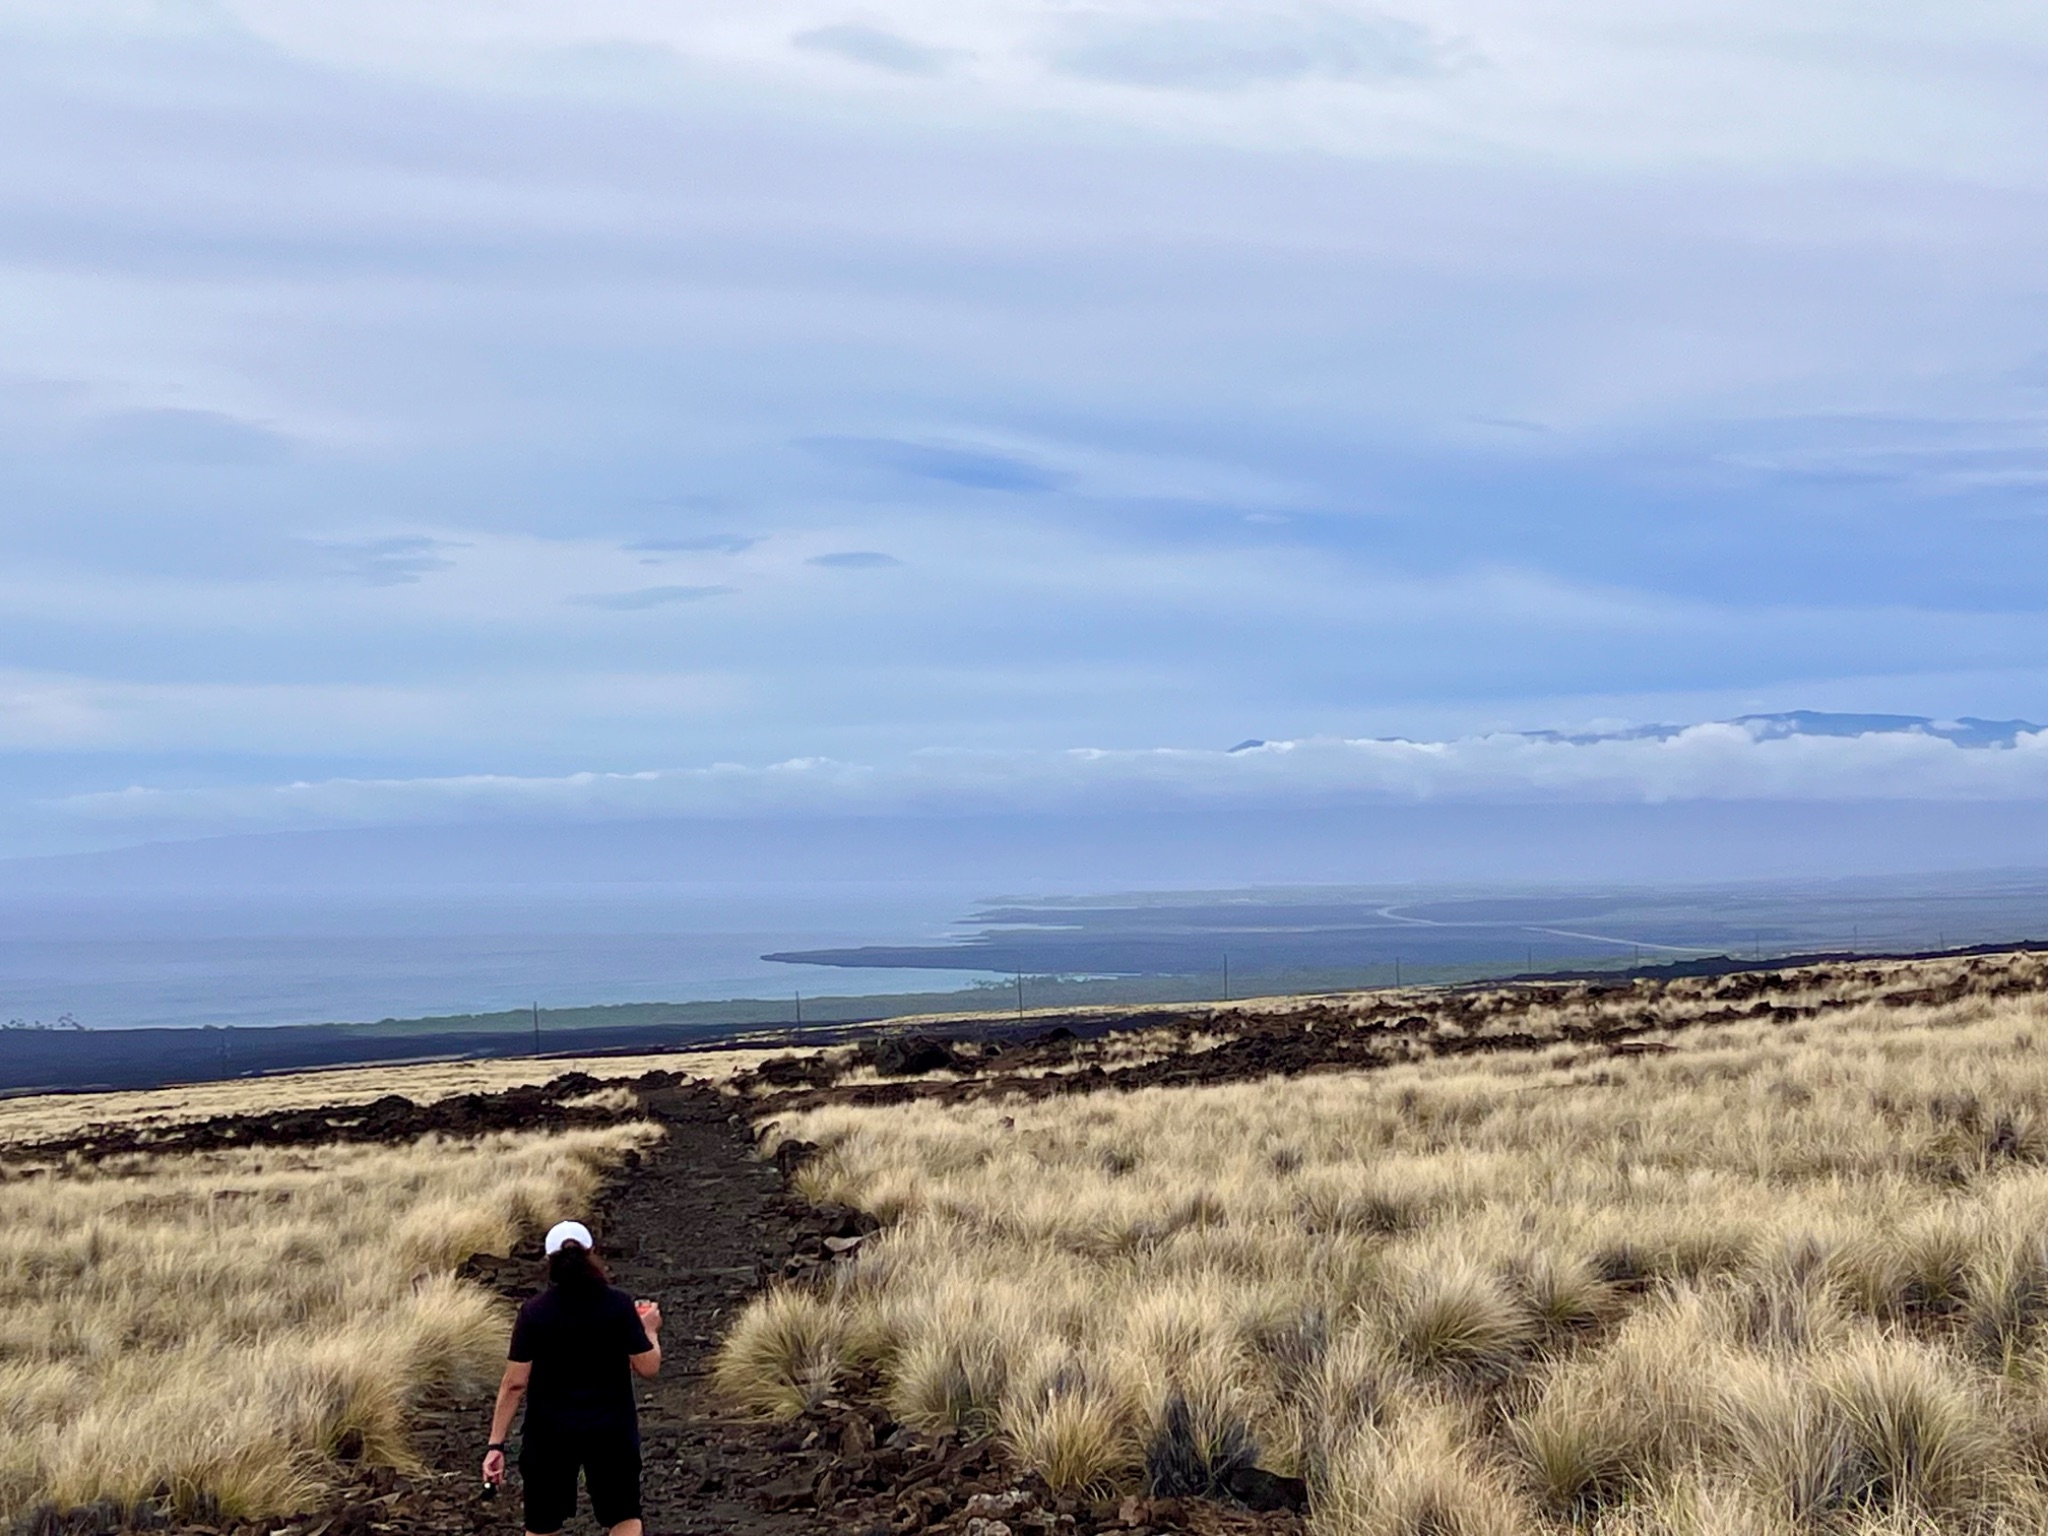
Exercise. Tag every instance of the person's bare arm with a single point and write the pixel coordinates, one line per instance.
(648, 1361)
(511, 1389)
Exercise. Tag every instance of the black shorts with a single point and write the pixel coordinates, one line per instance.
(610, 1465)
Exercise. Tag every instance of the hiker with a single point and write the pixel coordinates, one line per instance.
(575, 1350)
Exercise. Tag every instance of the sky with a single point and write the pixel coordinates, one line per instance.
(421, 411)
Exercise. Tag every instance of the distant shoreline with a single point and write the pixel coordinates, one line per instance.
(73, 1061)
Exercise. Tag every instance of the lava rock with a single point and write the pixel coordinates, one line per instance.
(1256, 1488)
(912, 1056)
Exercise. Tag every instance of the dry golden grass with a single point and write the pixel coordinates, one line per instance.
(217, 1328)
(1790, 1276)
(43, 1117)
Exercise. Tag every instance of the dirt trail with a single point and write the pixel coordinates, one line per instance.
(702, 1229)
(699, 1225)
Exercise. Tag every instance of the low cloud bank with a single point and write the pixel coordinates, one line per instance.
(1803, 757)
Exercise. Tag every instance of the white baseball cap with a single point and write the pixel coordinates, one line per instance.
(565, 1232)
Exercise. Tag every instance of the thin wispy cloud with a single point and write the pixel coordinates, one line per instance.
(650, 597)
(172, 436)
(874, 47)
(697, 544)
(383, 562)
(854, 560)
(972, 468)
(1203, 49)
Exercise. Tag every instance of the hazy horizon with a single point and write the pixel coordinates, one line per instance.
(364, 924)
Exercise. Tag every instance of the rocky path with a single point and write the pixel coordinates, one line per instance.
(699, 1225)
(701, 1231)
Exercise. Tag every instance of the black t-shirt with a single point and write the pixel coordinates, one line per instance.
(578, 1338)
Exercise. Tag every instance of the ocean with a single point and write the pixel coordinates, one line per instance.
(115, 961)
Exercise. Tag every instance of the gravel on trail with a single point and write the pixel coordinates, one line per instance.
(700, 1224)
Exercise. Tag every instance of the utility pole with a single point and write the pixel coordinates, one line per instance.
(799, 1010)
(1020, 997)
(536, 1027)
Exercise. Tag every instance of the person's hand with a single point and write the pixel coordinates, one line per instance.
(494, 1467)
(650, 1315)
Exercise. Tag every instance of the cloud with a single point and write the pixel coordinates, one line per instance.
(649, 597)
(1761, 759)
(874, 47)
(1227, 52)
(184, 437)
(975, 468)
(702, 544)
(854, 560)
(391, 561)
(167, 720)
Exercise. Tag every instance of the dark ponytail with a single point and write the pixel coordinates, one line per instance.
(572, 1264)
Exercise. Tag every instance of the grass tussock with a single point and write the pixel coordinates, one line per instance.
(783, 1355)
(1460, 1324)
(215, 1331)
(1788, 1276)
